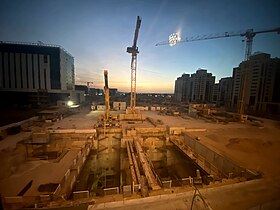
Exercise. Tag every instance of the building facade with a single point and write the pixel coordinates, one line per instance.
(225, 92)
(261, 92)
(182, 88)
(261, 95)
(215, 93)
(236, 87)
(196, 87)
(32, 70)
(201, 86)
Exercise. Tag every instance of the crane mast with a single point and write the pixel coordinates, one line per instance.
(249, 34)
(134, 51)
(107, 102)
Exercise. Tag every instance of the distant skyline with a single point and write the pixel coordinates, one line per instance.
(97, 33)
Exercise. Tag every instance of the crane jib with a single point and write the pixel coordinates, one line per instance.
(249, 34)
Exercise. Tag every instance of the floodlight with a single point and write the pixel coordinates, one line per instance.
(174, 38)
(70, 103)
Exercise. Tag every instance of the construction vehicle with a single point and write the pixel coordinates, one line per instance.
(106, 119)
(134, 51)
(175, 38)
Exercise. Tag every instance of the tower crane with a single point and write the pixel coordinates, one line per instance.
(174, 38)
(134, 51)
(249, 34)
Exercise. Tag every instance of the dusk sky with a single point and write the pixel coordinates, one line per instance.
(97, 33)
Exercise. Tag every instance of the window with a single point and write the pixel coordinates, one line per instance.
(45, 59)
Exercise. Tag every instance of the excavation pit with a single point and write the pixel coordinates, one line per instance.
(130, 161)
(116, 164)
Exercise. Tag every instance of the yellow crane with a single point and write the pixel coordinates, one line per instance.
(134, 51)
(175, 38)
(107, 96)
(107, 119)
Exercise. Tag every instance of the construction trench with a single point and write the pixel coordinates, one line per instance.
(133, 164)
(141, 160)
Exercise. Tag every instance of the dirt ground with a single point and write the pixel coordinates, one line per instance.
(253, 147)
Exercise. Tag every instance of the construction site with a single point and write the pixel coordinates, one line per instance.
(157, 156)
(162, 156)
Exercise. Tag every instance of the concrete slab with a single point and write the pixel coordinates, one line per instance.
(11, 141)
(41, 172)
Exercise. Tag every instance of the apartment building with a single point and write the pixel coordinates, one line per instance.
(225, 92)
(201, 86)
(182, 88)
(215, 93)
(261, 95)
(196, 87)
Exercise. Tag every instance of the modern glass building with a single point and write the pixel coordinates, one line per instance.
(35, 70)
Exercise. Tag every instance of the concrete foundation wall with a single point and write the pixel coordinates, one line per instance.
(67, 183)
(131, 117)
(214, 163)
(151, 131)
(64, 188)
(153, 142)
(109, 130)
(181, 130)
(73, 134)
(14, 128)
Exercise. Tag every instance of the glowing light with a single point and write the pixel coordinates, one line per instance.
(70, 103)
(174, 38)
